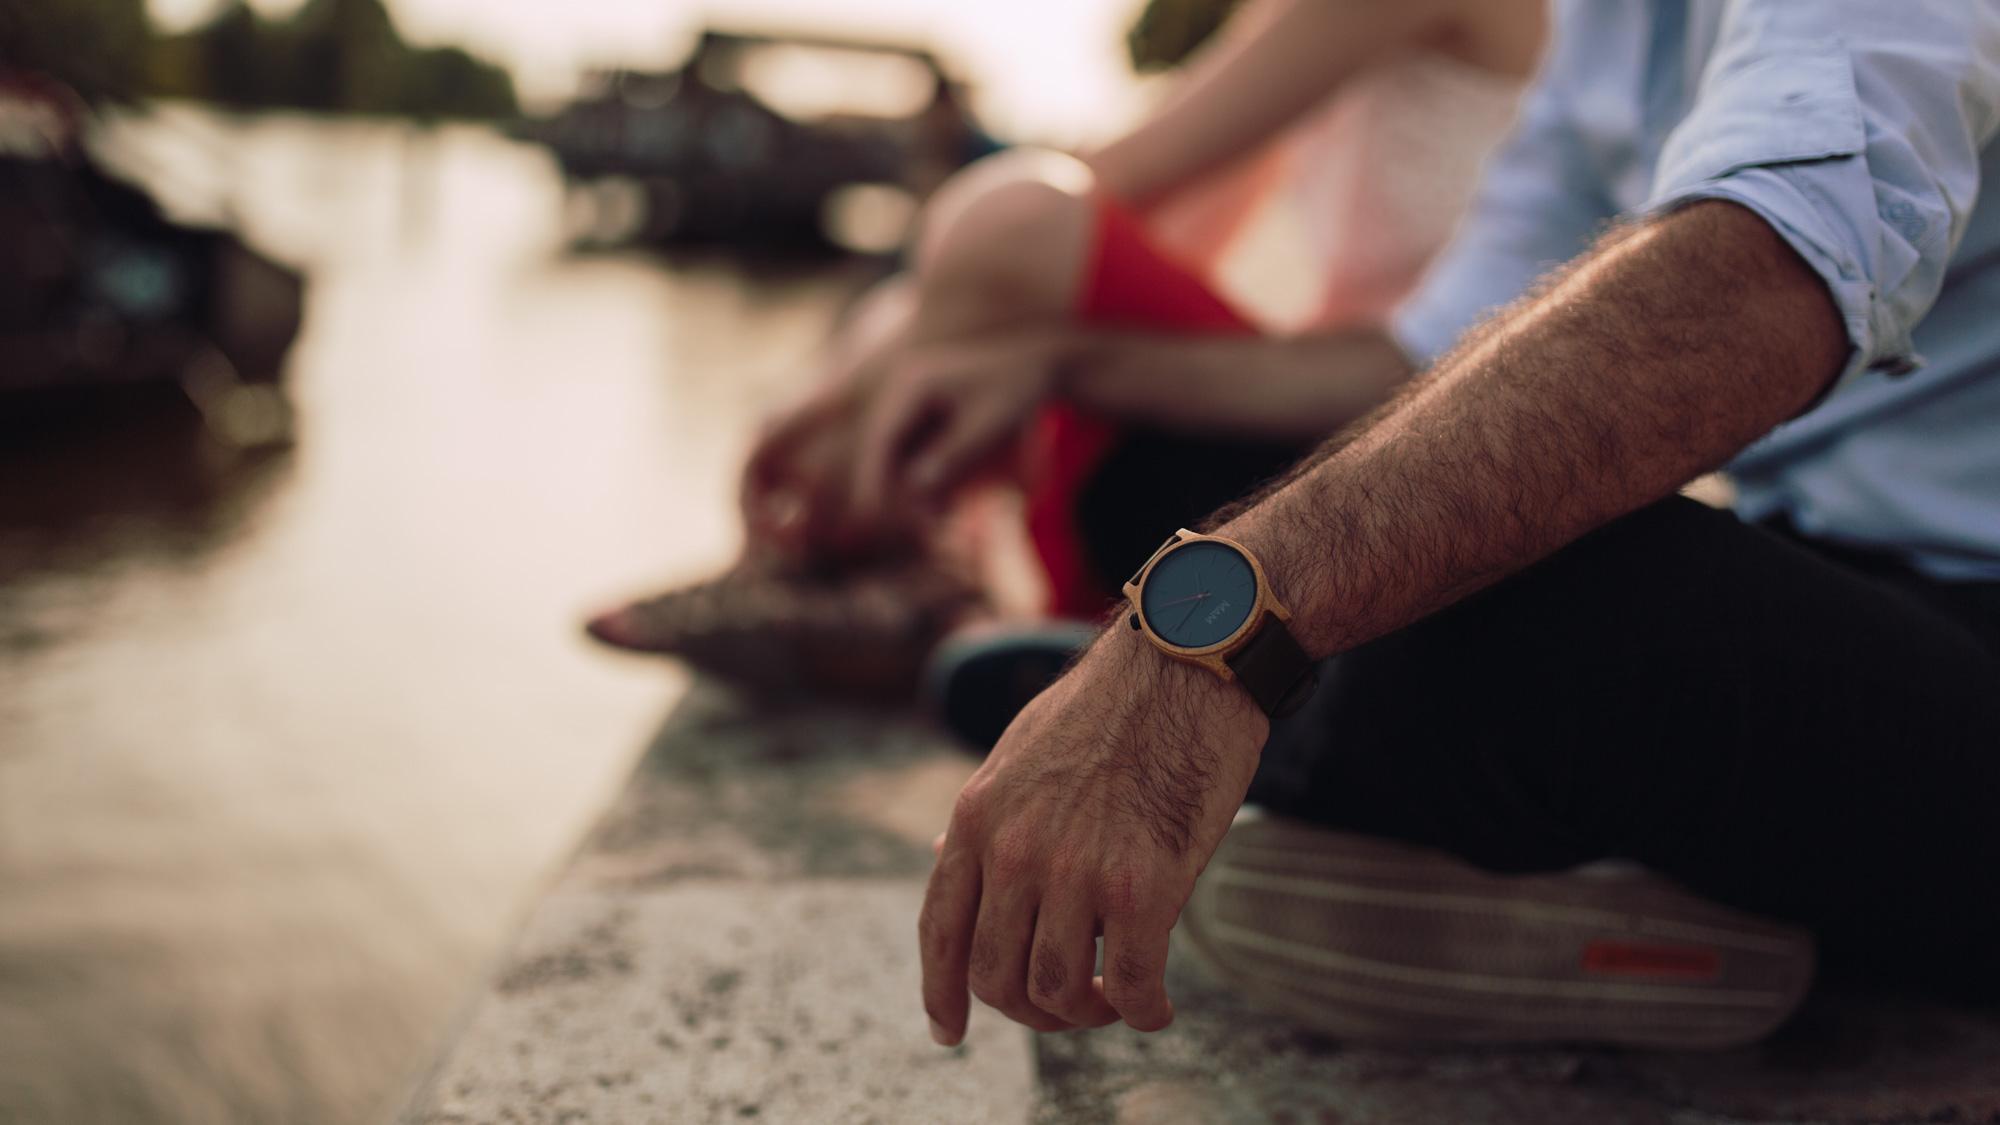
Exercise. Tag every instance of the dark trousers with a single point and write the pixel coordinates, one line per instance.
(1779, 725)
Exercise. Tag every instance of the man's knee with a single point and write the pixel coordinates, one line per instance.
(1522, 727)
(1019, 220)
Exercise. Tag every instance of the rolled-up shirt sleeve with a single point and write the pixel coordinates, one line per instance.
(1854, 128)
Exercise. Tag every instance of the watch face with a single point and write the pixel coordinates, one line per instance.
(1199, 594)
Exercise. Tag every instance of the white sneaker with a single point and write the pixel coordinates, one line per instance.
(1368, 939)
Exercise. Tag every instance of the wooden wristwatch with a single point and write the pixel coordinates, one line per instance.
(1204, 600)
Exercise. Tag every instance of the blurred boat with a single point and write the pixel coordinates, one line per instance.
(765, 141)
(104, 300)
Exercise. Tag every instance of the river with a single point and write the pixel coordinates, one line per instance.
(288, 742)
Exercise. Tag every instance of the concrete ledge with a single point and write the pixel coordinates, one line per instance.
(736, 942)
(720, 1002)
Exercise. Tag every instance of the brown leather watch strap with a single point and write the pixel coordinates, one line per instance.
(1274, 669)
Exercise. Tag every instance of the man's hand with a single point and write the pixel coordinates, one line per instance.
(1094, 815)
(943, 410)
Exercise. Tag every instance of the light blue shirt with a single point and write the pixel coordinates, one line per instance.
(1860, 130)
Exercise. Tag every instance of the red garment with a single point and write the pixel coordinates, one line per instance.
(1129, 283)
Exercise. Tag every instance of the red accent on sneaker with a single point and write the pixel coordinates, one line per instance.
(1635, 959)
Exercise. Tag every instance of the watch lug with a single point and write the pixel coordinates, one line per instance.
(1131, 586)
(1217, 665)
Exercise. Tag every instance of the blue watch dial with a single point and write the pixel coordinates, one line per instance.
(1199, 594)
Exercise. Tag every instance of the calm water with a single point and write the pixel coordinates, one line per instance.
(286, 744)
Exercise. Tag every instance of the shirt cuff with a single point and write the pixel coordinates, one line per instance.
(1772, 196)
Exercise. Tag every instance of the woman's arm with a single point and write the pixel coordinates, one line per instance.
(1276, 60)
(1286, 388)
(945, 408)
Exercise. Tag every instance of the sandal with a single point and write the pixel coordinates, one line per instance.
(863, 635)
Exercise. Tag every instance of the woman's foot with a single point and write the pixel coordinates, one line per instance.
(861, 635)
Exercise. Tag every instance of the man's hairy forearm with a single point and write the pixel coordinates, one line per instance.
(1654, 358)
(1297, 388)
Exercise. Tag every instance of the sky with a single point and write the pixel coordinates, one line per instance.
(1049, 70)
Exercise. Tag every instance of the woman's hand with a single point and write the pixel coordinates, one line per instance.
(794, 487)
(942, 411)
(796, 478)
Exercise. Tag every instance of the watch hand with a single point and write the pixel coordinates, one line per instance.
(1197, 605)
(1177, 601)
(1190, 613)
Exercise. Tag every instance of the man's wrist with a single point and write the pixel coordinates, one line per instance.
(1186, 690)
(1277, 553)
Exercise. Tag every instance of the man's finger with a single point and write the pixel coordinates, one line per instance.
(1135, 969)
(1061, 961)
(997, 966)
(944, 938)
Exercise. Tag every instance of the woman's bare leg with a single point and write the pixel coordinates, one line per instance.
(1005, 242)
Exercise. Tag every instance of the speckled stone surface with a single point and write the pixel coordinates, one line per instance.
(712, 1002)
(735, 943)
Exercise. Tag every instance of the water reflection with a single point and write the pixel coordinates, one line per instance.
(286, 741)
(145, 480)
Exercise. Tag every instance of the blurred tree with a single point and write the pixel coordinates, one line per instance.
(345, 57)
(230, 55)
(332, 56)
(449, 82)
(96, 47)
(1168, 31)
